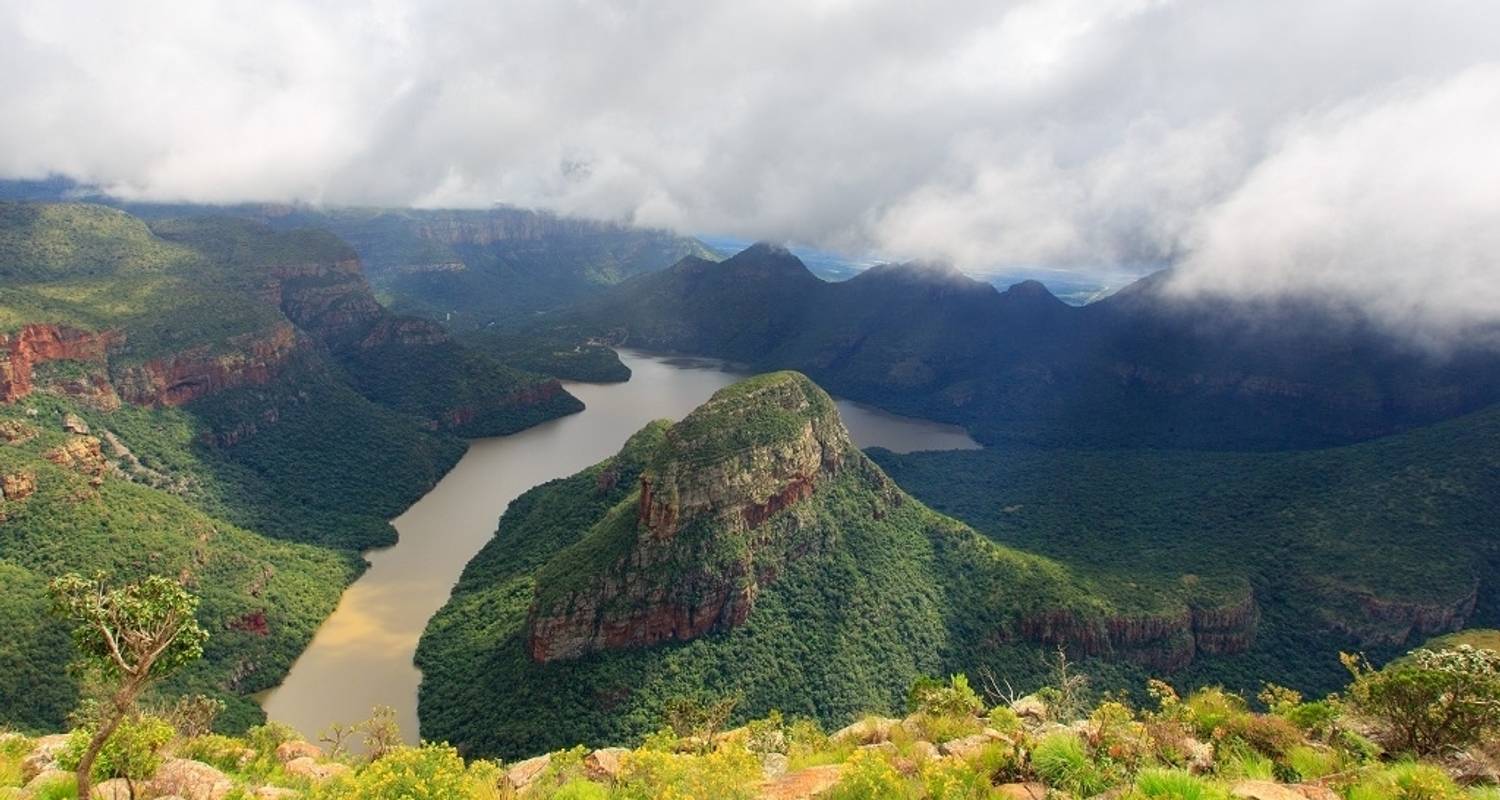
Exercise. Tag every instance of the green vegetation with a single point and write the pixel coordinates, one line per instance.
(915, 593)
(1435, 701)
(128, 637)
(293, 418)
(1405, 521)
(1207, 745)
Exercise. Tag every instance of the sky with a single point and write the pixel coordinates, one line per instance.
(1338, 147)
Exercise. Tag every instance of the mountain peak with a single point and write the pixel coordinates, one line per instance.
(1032, 293)
(767, 260)
(685, 555)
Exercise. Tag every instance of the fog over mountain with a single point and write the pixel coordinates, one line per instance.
(1341, 148)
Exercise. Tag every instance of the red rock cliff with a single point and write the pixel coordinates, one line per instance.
(22, 350)
(703, 514)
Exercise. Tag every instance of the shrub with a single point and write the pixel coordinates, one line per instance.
(266, 738)
(1311, 763)
(766, 735)
(954, 780)
(943, 727)
(224, 752)
(1432, 702)
(867, 775)
(1062, 761)
(133, 751)
(1406, 781)
(1175, 784)
(429, 772)
(730, 772)
(1004, 719)
(1270, 735)
(955, 698)
(1207, 709)
(1239, 762)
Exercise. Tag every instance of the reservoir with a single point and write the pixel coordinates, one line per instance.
(361, 657)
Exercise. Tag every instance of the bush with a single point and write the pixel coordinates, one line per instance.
(1432, 702)
(1175, 784)
(1270, 735)
(867, 775)
(730, 772)
(1311, 763)
(1406, 781)
(224, 752)
(429, 772)
(1004, 719)
(955, 698)
(950, 780)
(1062, 761)
(133, 751)
(1207, 709)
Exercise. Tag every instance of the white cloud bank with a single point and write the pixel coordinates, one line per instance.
(1346, 146)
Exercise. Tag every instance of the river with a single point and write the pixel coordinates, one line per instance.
(361, 657)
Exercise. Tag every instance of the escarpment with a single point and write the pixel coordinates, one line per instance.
(1373, 620)
(23, 350)
(715, 517)
(1165, 640)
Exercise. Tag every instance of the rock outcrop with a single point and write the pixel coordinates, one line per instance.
(698, 539)
(249, 360)
(21, 351)
(17, 485)
(1373, 620)
(1165, 641)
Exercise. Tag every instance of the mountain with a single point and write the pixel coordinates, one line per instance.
(212, 399)
(1140, 368)
(1367, 547)
(752, 549)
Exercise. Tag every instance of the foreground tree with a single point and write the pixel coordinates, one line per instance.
(1432, 701)
(130, 636)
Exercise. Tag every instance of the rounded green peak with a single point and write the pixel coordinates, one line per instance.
(755, 412)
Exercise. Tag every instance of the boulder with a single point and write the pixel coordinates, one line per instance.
(1265, 790)
(1021, 791)
(1200, 756)
(1030, 707)
(925, 750)
(803, 784)
(870, 730)
(72, 423)
(193, 780)
(606, 764)
(307, 767)
(289, 751)
(525, 773)
(43, 755)
(17, 485)
(1315, 791)
(774, 765)
(113, 789)
(967, 747)
(46, 777)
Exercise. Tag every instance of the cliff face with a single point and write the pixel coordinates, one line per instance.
(1165, 641)
(702, 535)
(1373, 620)
(250, 360)
(23, 350)
(332, 302)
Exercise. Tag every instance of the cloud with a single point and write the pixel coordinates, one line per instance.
(1056, 134)
(1389, 201)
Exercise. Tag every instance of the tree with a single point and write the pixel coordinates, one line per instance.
(130, 636)
(1432, 701)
